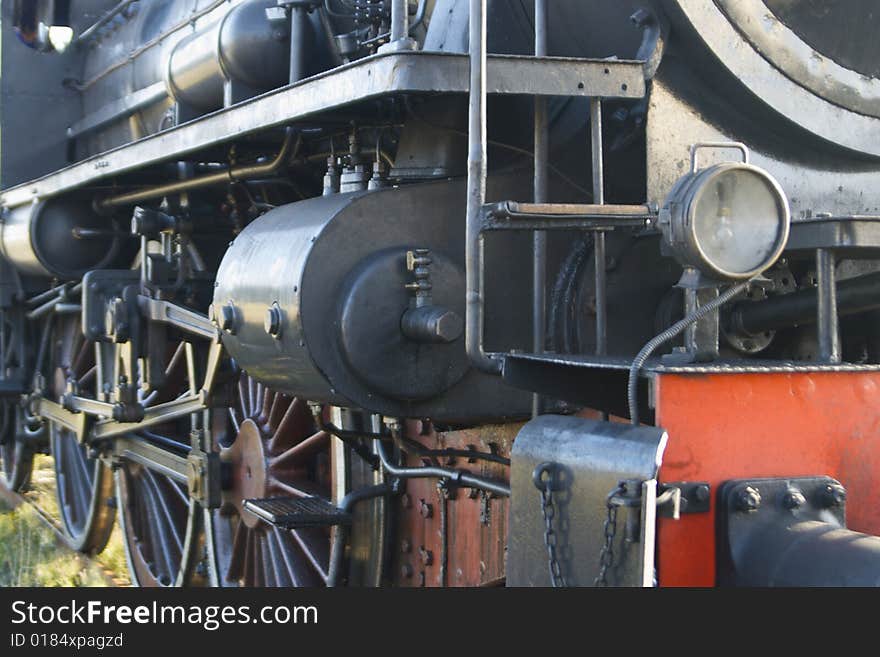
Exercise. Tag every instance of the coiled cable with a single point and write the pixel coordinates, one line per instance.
(632, 387)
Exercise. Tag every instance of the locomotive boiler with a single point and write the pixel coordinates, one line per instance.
(447, 292)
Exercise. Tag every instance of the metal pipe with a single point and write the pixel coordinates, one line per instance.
(86, 36)
(459, 477)
(854, 295)
(808, 553)
(476, 192)
(337, 548)
(827, 333)
(601, 303)
(399, 20)
(300, 37)
(539, 237)
(230, 175)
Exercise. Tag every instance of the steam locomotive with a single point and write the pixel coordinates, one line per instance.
(447, 292)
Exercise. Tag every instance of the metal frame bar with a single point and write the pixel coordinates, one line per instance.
(152, 415)
(410, 72)
(153, 457)
(827, 324)
(539, 237)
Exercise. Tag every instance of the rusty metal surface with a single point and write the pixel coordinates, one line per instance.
(476, 532)
(725, 427)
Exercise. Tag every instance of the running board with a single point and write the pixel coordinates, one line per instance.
(297, 512)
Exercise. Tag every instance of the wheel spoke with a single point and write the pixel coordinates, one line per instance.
(315, 549)
(279, 564)
(301, 451)
(239, 545)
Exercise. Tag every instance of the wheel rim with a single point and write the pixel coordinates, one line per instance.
(16, 457)
(161, 524)
(83, 485)
(273, 450)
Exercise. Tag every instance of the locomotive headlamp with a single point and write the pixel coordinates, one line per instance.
(730, 221)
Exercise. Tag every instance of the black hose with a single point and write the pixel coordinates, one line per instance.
(673, 331)
(337, 548)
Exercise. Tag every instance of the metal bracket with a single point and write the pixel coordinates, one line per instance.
(676, 498)
(587, 459)
(784, 531)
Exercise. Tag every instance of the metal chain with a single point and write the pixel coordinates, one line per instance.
(545, 485)
(606, 554)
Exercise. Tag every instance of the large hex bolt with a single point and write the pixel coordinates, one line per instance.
(793, 499)
(272, 322)
(833, 496)
(223, 317)
(748, 500)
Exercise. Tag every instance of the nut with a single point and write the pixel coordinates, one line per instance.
(702, 493)
(793, 499)
(748, 499)
(273, 321)
(833, 495)
(226, 318)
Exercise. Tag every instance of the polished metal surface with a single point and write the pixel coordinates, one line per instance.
(243, 47)
(40, 239)
(592, 458)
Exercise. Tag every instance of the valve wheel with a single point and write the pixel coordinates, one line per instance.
(83, 483)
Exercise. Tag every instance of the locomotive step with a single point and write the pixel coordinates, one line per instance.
(297, 512)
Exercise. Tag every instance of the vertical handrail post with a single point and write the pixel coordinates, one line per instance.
(539, 239)
(476, 192)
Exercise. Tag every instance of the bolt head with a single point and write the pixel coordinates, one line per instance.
(702, 493)
(449, 326)
(748, 499)
(425, 509)
(272, 321)
(833, 495)
(793, 499)
(405, 546)
(226, 318)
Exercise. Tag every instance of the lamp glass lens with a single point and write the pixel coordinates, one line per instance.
(738, 221)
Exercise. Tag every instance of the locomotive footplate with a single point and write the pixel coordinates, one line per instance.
(362, 81)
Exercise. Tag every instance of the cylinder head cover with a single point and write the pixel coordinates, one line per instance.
(50, 238)
(316, 292)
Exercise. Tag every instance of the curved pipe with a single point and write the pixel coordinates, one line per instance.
(459, 477)
(337, 548)
(229, 175)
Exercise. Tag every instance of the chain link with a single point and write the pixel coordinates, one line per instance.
(548, 509)
(606, 554)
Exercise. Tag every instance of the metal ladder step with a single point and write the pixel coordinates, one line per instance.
(297, 512)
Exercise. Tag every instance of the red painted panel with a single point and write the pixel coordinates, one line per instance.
(730, 426)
